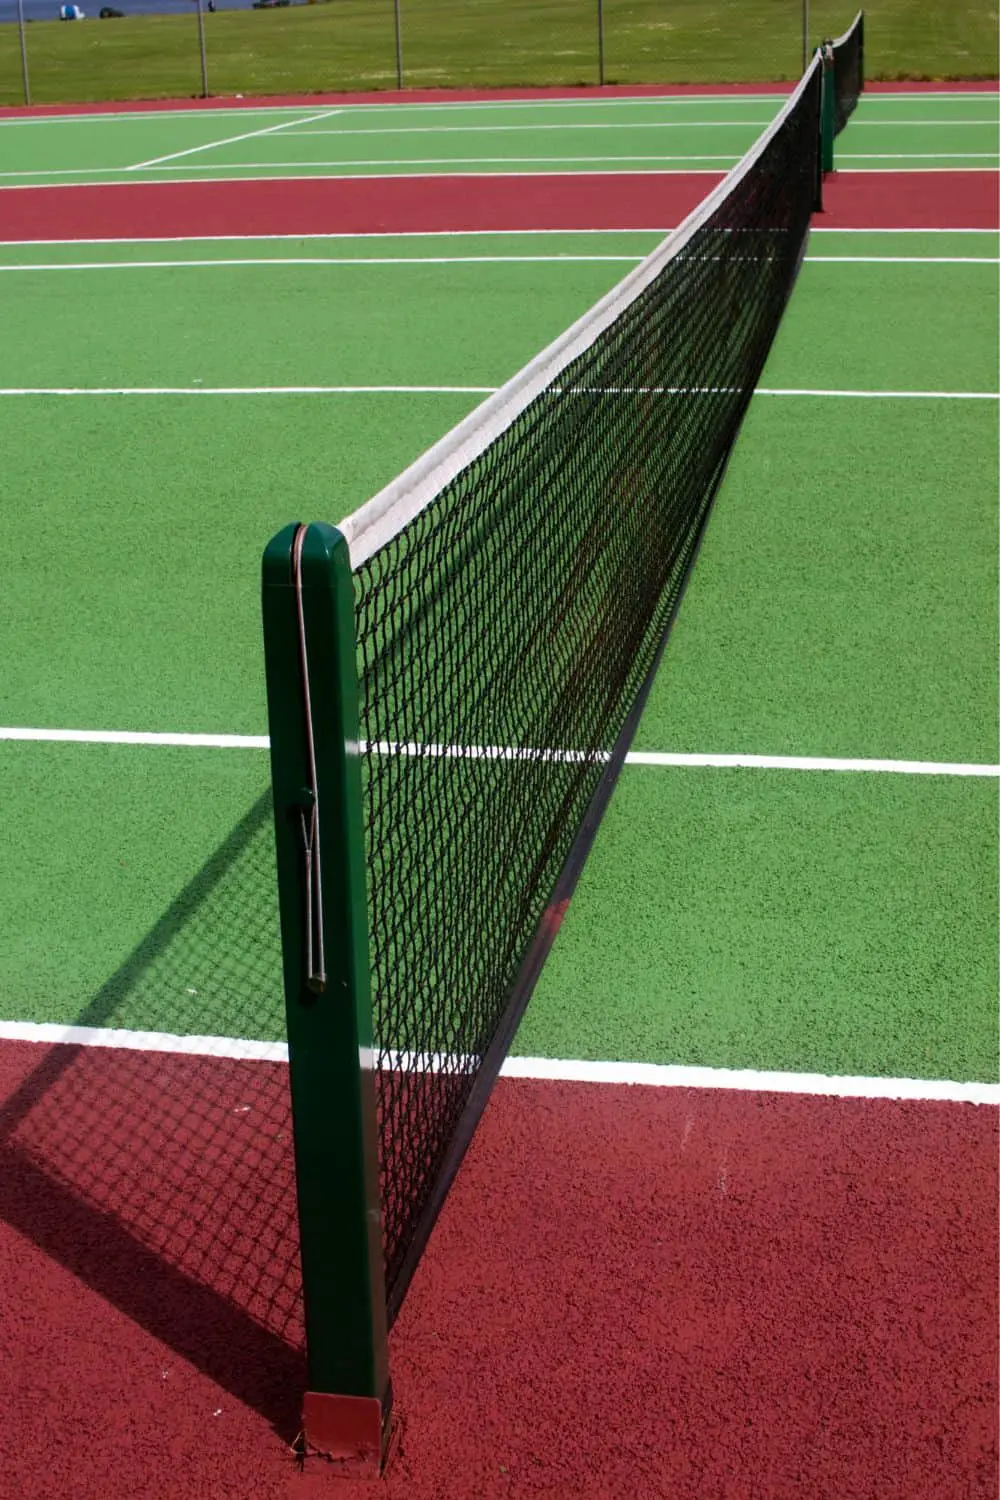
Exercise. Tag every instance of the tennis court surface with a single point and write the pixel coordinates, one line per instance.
(728, 1226)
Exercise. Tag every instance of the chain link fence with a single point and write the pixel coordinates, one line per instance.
(53, 51)
(148, 49)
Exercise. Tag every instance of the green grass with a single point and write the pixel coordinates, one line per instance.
(349, 44)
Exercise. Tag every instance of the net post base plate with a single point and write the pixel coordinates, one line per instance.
(353, 1432)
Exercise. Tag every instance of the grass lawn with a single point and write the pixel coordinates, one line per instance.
(349, 44)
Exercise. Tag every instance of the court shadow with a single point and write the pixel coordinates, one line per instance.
(165, 1181)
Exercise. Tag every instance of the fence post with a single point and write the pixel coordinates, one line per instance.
(399, 44)
(600, 42)
(25, 79)
(201, 49)
(312, 692)
(805, 34)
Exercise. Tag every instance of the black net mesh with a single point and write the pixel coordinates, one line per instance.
(164, 1180)
(848, 75)
(505, 633)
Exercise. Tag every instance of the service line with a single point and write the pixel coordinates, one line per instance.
(231, 140)
(664, 758)
(458, 390)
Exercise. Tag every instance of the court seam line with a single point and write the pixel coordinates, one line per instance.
(420, 234)
(110, 116)
(670, 758)
(142, 166)
(540, 1069)
(15, 392)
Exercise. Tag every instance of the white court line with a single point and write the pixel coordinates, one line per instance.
(749, 1080)
(79, 171)
(440, 161)
(617, 101)
(917, 155)
(164, 163)
(421, 234)
(557, 258)
(620, 101)
(614, 125)
(238, 1048)
(279, 167)
(324, 260)
(891, 124)
(812, 763)
(138, 737)
(243, 390)
(448, 390)
(887, 395)
(861, 171)
(141, 166)
(494, 752)
(534, 129)
(395, 234)
(274, 171)
(897, 260)
(541, 1069)
(814, 229)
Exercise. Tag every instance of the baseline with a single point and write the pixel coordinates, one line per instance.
(641, 1074)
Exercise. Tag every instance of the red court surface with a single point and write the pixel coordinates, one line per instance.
(632, 1292)
(863, 200)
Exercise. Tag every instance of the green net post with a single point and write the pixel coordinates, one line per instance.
(828, 109)
(312, 692)
(861, 52)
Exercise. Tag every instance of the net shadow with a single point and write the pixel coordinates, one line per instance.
(165, 1181)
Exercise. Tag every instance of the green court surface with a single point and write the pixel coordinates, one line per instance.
(844, 604)
(90, 935)
(898, 132)
(820, 923)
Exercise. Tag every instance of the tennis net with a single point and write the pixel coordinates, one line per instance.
(505, 602)
(848, 71)
(512, 590)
